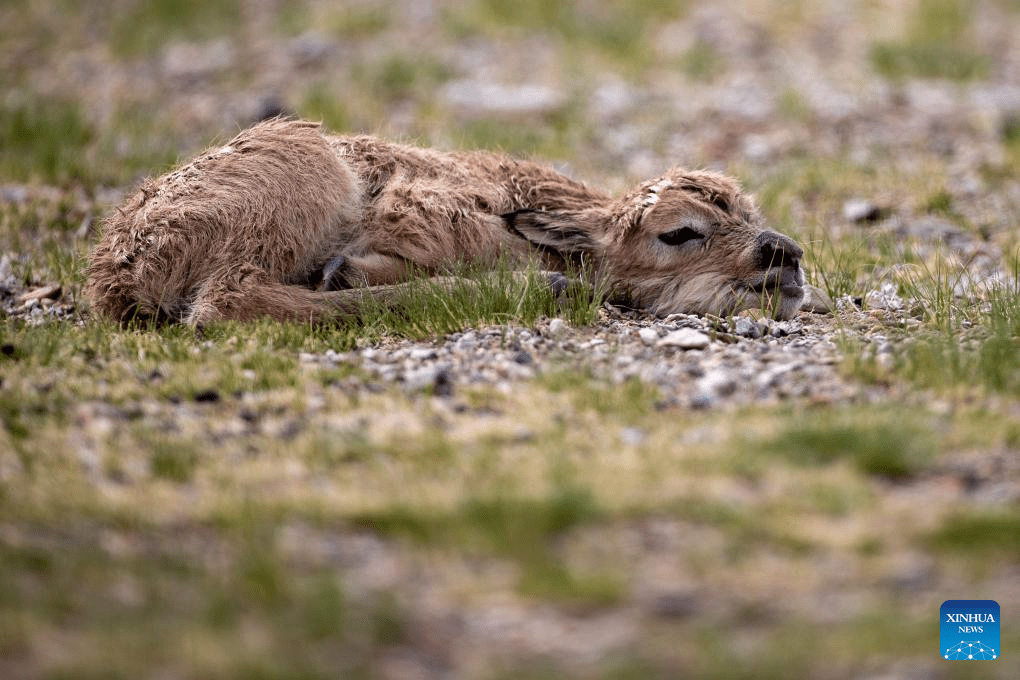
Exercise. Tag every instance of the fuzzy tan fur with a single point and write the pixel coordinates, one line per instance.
(245, 230)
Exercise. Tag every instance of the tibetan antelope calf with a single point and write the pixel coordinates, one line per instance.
(289, 222)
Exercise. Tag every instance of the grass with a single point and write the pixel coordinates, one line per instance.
(888, 447)
(143, 28)
(940, 362)
(197, 547)
(969, 344)
(401, 76)
(51, 140)
(351, 23)
(44, 140)
(936, 45)
(747, 532)
(630, 401)
(618, 31)
(522, 530)
(253, 581)
(838, 270)
(702, 62)
(323, 105)
(547, 138)
(804, 197)
(970, 535)
(171, 363)
(476, 297)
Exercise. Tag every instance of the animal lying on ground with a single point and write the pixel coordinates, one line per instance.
(289, 222)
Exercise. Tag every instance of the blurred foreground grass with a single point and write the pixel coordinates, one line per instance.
(146, 524)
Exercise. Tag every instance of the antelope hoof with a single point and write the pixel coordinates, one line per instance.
(559, 283)
(334, 275)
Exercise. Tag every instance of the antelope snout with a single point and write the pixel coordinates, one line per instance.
(776, 250)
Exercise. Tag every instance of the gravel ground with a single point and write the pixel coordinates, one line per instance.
(695, 362)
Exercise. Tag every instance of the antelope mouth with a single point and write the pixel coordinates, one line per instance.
(782, 297)
(787, 282)
(771, 288)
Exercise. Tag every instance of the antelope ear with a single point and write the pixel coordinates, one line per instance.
(563, 233)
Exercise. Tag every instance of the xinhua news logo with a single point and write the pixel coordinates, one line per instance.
(969, 630)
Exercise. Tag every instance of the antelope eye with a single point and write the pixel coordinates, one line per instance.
(678, 237)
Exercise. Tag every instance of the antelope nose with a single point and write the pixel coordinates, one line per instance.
(776, 250)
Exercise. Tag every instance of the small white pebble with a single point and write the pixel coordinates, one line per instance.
(648, 335)
(685, 338)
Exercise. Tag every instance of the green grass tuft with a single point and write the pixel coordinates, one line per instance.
(990, 535)
(970, 344)
(618, 30)
(45, 140)
(402, 76)
(889, 447)
(173, 460)
(628, 401)
(145, 27)
(702, 62)
(522, 530)
(494, 295)
(322, 104)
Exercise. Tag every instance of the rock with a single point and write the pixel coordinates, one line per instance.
(912, 577)
(817, 301)
(442, 386)
(781, 329)
(419, 379)
(700, 401)
(209, 396)
(719, 382)
(84, 229)
(311, 48)
(684, 320)
(756, 314)
(861, 210)
(485, 98)
(14, 193)
(797, 363)
(885, 298)
(746, 328)
(676, 605)
(632, 435)
(468, 342)
(45, 293)
(648, 336)
(613, 98)
(193, 61)
(685, 338)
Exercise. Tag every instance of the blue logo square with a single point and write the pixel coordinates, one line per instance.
(969, 630)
